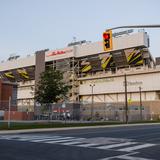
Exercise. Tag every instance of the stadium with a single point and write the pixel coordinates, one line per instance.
(96, 76)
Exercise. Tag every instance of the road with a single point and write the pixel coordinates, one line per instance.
(130, 143)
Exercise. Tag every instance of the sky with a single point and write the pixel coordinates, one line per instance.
(30, 25)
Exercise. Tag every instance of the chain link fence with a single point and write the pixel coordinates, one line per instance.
(114, 112)
(95, 111)
(77, 112)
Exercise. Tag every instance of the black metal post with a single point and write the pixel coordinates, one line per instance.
(92, 85)
(126, 99)
(140, 102)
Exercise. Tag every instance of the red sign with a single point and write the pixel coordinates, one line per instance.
(59, 52)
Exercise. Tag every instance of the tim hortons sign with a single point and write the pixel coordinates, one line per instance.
(59, 52)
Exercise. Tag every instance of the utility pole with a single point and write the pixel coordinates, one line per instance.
(140, 102)
(126, 99)
(92, 85)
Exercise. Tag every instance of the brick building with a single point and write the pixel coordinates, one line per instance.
(8, 89)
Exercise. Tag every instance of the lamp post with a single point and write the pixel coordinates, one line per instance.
(140, 102)
(126, 99)
(92, 86)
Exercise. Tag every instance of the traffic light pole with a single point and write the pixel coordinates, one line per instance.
(135, 26)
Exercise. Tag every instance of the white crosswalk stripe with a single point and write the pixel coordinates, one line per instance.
(130, 156)
(36, 138)
(125, 157)
(125, 145)
(72, 143)
(116, 145)
(51, 139)
(87, 145)
(65, 140)
(129, 149)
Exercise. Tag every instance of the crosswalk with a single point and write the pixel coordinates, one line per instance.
(103, 143)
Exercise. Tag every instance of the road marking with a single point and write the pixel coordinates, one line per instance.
(100, 143)
(52, 139)
(9, 136)
(126, 157)
(129, 149)
(132, 158)
(36, 138)
(65, 140)
(87, 145)
(24, 137)
(71, 143)
(116, 145)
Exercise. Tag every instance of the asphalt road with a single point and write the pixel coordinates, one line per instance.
(130, 143)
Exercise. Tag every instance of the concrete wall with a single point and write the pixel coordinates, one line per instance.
(149, 82)
(26, 89)
(127, 41)
(120, 97)
(59, 54)
(18, 63)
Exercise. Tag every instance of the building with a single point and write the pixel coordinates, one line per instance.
(84, 63)
(7, 89)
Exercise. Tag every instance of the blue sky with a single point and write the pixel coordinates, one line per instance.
(30, 25)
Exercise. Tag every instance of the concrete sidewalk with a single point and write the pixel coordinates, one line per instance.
(39, 130)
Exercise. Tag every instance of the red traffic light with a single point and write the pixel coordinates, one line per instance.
(106, 36)
(107, 40)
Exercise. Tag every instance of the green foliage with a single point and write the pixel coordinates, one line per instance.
(50, 87)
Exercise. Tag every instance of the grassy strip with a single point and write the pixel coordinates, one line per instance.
(15, 126)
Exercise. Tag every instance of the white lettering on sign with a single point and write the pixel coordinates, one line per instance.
(59, 52)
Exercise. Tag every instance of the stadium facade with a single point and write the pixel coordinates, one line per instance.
(93, 73)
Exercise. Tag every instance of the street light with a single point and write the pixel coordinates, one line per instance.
(92, 85)
(140, 102)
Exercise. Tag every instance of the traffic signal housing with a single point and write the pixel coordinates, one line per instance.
(107, 40)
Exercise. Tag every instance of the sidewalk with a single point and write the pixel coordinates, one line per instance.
(39, 130)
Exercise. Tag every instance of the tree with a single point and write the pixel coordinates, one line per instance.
(51, 87)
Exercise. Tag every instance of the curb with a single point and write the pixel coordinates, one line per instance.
(40, 130)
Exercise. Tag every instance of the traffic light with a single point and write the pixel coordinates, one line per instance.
(107, 40)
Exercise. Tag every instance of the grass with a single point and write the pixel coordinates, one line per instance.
(16, 125)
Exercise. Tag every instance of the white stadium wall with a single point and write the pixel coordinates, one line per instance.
(112, 88)
(17, 63)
